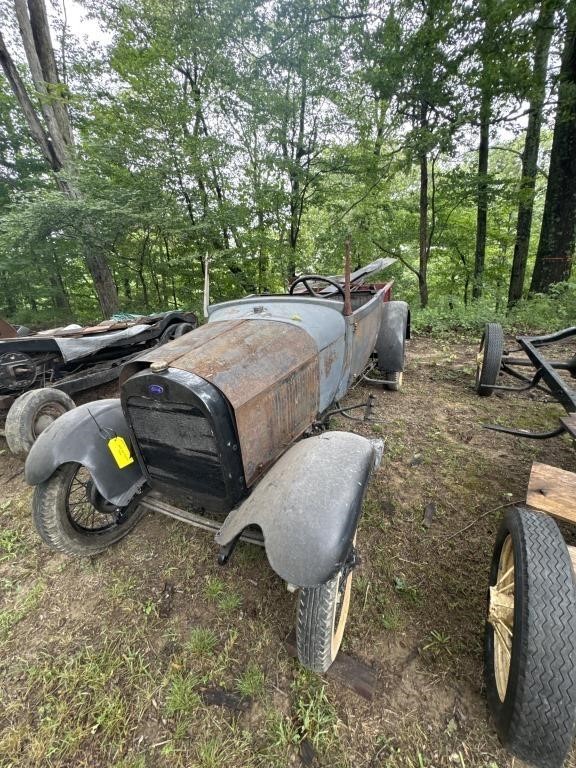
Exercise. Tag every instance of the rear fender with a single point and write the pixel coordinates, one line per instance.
(391, 342)
(81, 436)
(308, 506)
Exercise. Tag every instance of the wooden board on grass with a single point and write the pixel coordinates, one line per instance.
(553, 490)
(346, 670)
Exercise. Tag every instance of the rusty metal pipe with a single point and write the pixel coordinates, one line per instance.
(347, 299)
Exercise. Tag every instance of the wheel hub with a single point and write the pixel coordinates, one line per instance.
(501, 617)
(17, 371)
(99, 502)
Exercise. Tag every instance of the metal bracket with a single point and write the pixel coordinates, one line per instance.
(225, 552)
(352, 561)
(368, 405)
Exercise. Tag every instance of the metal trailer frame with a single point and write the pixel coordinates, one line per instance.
(545, 377)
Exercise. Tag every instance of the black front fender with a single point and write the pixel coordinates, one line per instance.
(81, 436)
(308, 506)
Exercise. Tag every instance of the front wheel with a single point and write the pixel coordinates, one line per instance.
(530, 639)
(72, 517)
(322, 614)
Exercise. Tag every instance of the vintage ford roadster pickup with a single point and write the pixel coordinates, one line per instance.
(214, 419)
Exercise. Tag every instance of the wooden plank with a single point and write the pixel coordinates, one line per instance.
(553, 490)
(570, 423)
(347, 670)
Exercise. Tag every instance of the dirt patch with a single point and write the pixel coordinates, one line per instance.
(115, 660)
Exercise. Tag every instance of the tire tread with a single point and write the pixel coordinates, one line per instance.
(314, 624)
(540, 726)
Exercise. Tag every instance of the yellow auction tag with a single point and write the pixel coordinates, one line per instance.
(119, 449)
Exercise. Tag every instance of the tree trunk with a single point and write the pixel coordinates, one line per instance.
(482, 210)
(423, 232)
(543, 32)
(557, 235)
(423, 226)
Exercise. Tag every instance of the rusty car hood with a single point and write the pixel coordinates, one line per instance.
(268, 370)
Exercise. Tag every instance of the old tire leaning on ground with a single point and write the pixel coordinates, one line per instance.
(321, 619)
(31, 413)
(391, 342)
(530, 639)
(489, 358)
(72, 517)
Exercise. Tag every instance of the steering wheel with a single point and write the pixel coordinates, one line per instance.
(304, 280)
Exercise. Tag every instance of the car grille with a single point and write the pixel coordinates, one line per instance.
(178, 445)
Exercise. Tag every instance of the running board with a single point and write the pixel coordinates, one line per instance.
(153, 502)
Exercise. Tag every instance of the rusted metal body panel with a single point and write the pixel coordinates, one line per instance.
(7, 331)
(275, 395)
(364, 324)
(321, 318)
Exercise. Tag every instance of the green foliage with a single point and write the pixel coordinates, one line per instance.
(539, 313)
(260, 137)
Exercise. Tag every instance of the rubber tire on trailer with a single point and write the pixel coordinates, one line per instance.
(49, 513)
(492, 343)
(536, 719)
(391, 341)
(317, 638)
(21, 429)
(176, 330)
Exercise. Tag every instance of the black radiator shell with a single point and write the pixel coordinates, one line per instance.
(184, 435)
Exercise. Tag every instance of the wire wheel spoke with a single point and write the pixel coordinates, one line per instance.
(82, 513)
(501, 616)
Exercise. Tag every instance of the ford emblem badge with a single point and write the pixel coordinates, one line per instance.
(156, 389)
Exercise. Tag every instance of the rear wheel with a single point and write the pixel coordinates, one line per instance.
(71, 516)
(393, 380)
(391, 342)
(489, 358)
(530, 639)
(322, 615)
(31, 414)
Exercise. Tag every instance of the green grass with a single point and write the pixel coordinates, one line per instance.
(315, 716)
(225, 598)
(406, 590)
(252, 682)
(230, 602)
(12, 544)
(182, 698)
(122, 588)
(202, 642)
(216, 751)
(391, 619)
(92, 696)
(214, 588)
(11, 616)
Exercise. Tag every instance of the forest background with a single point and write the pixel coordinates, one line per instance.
(260, 135)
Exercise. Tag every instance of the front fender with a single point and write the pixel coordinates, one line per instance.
(81, 436)
(308, 506)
